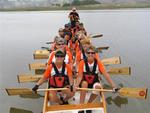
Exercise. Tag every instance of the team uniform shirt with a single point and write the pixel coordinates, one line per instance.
(68, 58)
(58, 76)
(50, 71)
(100, 67)
(79, 56)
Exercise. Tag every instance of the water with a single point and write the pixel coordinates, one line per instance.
(125, 31)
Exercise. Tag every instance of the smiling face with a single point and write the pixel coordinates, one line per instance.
(66, 27)
(90, 55)
(77, 24)
(61, 32)
(60, 45)
(59, 58)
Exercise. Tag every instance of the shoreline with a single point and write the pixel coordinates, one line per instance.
(83, 7)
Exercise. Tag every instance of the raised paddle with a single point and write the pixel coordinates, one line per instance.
(106, 61)
(140, 93)
(95, 35)
(102, 48)
(47, 48)
(34, 78)
(49, 42)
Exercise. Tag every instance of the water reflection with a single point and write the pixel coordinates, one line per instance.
(118, 101)
(106, 86)
(18, 110)
(33, 96)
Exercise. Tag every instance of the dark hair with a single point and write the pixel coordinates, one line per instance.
(60, 52)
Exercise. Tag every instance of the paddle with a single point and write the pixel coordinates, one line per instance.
(33, 78)
(49, 42)
(18, 110)
(106, 61)
(41, 54)
(95, 35)
(44, 54)
(28, 78)
(140, 93)
(47, 48)
(113, 60)
(121, 71)
(102, 48)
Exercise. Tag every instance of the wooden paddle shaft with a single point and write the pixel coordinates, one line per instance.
(81, 89)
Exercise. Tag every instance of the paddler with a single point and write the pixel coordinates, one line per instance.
(61, 44)
(88, 77)
(74, 17)
(59, 75)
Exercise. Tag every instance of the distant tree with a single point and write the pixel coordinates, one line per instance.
(84, 2)
(76, 2)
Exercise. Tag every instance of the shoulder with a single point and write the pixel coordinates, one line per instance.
(81, 63)
(69, 53)
(79, 53)
(49, 67)
(52, 53)
(68, 67)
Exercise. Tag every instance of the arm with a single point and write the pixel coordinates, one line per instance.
(43, 79)
(50, 58)
(105, 74)
(70, 59)
(46, 75)
(69, 72)
(80, 74)
(78, 58)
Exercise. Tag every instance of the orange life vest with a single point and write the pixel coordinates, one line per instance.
(59, 79)
(90, 76)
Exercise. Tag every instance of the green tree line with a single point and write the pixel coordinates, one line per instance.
(84, 2)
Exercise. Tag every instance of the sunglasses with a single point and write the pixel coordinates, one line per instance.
(59, 56)
(90, 52)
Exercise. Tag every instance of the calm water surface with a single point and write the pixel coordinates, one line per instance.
(127, 32)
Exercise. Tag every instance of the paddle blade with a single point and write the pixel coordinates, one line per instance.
(41, 54)
(140, 93)
(97, 36)
(28, 78)
(113, 60)
(18, 110)
(49, 42)
(37, 65)
(18, 91)
(47, 48)
(99, 49)
(121, 71)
